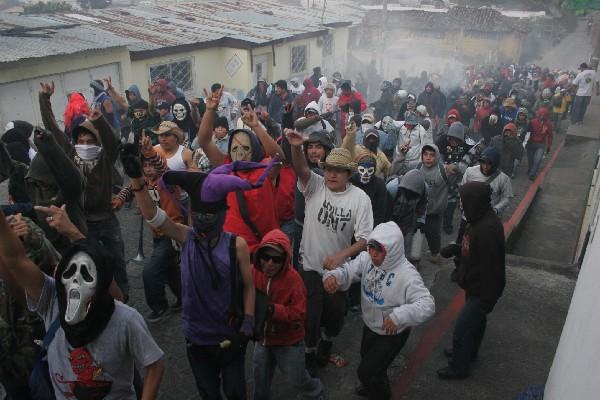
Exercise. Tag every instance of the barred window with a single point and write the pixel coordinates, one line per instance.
(179, 71)
(327, 45)
(299, 58)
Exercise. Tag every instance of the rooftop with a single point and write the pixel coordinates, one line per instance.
(23, 37)
(207, 23)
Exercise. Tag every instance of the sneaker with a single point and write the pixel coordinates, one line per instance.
(310, 360)
(361, 390)
(324, 352)
(156, 315)
(176, 307)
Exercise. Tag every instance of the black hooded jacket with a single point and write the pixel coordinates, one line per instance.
(482, 269)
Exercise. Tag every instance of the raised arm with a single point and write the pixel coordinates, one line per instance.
(116, 96)
(205, 133)
(349, 140)
(298, 160)
(156, 217)
(251, 120)
(46, 91)
(110, 144)
(14, 261)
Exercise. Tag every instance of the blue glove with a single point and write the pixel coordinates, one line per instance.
(247, 327)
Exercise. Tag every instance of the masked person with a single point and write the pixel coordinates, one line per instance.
(540, 139)
(394, 299)
(388, 135)
(94, 153)
(481, 273)
(510, 148)
(163, 266)
(370, 145)
(251, 214)
(141, 119)
(218, 315)
(183, 116)
(97, 340)
(411, 139)
(488, 171)
(335, 213)
(280, 343)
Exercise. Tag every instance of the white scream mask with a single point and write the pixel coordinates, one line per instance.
(387, 124)
(179, 111)
(241, 147)
(79, 279)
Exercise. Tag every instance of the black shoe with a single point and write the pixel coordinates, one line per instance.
(448, 373)
(310, 360)
(361, 390)
(156, 315)
(323, 352)
(449, 353)
(176, 307)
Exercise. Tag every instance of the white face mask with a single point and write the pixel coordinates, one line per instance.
(79, 279)
(366, 172)
(88, 152)
(241, 147)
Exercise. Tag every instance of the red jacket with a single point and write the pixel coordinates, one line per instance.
(541, 129)
(349, 99)
(286, 292)
(286, 193)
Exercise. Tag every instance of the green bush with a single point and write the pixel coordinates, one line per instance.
(47, 8)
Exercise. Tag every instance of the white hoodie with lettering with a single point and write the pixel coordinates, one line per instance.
(393, 289)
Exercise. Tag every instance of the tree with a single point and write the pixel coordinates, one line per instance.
(47, 8)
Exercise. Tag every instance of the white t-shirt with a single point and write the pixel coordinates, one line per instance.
(104, 365)
(585, 80)
(331, 220)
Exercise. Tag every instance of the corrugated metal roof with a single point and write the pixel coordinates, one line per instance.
(23, 37)
(170, 24)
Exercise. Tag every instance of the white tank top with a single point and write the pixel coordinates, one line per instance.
(176, 163)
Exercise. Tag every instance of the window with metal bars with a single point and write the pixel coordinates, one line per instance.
(299, 59)
(327, 45)
(178, 71)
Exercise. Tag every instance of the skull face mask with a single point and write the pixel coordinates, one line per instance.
(179, 111)
(241, 147)
(139, 114)
(79, 279)
(366, 170)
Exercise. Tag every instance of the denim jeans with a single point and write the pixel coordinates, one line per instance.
(161, 269)
(289, 228)
(108, 232)
(290, 360)
(579, 108)
(468, 334)
(209, 374)
(535, 154)
(376, 354)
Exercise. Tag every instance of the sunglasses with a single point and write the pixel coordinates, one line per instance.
(276, 259)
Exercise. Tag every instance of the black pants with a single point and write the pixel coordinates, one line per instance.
(377, 353)
(322, 309)
(468, 334)
(433, 232)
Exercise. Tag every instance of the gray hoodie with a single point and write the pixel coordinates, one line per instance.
(395, 289)
(436, 182)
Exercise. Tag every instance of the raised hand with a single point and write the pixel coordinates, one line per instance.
(212, 100)
(145, 143)
(47, 88)
(294, 137)
(130, 158)
(58, 219)
(151, 89)
(249, 118)
(108, 82)
(95, 113)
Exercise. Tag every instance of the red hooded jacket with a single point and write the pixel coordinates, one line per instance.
(452, 112)
(311, 93)
(286, 292)
(541, 129)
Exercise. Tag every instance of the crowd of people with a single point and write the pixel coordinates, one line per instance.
(270, 217)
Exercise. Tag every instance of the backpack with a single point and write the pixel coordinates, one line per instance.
(40, 383)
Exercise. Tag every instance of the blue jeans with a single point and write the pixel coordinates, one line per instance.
(468, 334)
(208, 374)
(289, 228)
(290, 360)
(108, 232)
(535, 155)
(162, 268)
(579, 108)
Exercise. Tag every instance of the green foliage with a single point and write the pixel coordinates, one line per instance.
(47, 8)
(583, 4)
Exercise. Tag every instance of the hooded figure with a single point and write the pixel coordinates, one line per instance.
(182, 116)
(409, 206)
(313, 113)
(83, 277)
(488, 172)
(142, 119)
(310, 94)
(481, 273)
(510, 148)
(366, 179)
(392, 290)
